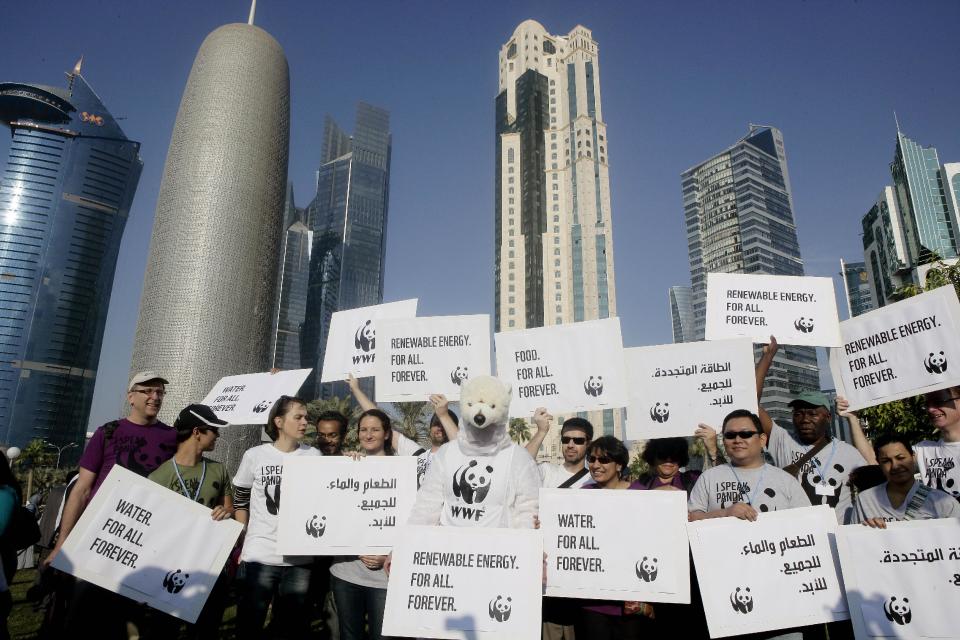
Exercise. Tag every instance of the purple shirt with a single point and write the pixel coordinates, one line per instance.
(136, 447)
(610, 607)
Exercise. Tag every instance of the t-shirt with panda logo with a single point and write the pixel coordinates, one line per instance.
(766, 488)
(835, 461)
(939, 464)
(407, 447)
(875, 503)
(261, 471)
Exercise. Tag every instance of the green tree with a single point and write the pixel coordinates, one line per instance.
(519, 430)
(412, 420)
(637, 467)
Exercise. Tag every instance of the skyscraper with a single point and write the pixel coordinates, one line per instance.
(681, 313)
(554, 231)
(739, 217)
(885, 248)
(856, 287)
(348, 219)
(64, 201)
(294, 273)
(210, 286)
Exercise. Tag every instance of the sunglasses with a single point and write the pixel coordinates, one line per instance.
(733, 435)
(940, 399)
(574, 439)
(600, 459)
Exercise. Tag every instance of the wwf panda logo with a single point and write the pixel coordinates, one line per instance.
(660, 412)
(500, 608)
(898, 611)
(174, 581)
(947, 484)
(803, 325)
(647, 569)
(935, 363)
(272, 501)
(316, 526)
(593, 386)
(472, 483)
(458, 375)
(812, 478)
(365, 338)
(762, 506)
(262, 406)
(742, 600)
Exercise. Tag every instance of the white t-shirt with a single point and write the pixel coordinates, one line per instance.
(407, 447)
(939, 464)
(261, 471)
(875, 503)
(554, 475)
(824, 477)
(765, 488)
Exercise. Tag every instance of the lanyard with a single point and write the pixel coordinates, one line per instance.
(183, 485)
(816, 464)
(749, 498)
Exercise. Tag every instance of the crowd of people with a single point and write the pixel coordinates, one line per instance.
(774, 468)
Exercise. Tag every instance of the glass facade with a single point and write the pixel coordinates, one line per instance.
(292, 290)
(348, 222)
(65, 196)
(856, 286)
(681, 313)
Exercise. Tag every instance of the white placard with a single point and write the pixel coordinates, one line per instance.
(456, 582)
(596, 551)
(776, 573)
(247, 398)
(421, 356)
(900, 350)
(352, 339)
(565, 368)
(150, 544)
(674, 387)
(795, 309)
(338, 506)
(902, 581)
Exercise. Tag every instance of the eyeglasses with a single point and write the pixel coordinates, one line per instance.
(600, 459)
(151, 392)
(574, 439)
(745, 435)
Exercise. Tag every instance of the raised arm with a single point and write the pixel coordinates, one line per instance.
(763, 366)
(714, 456)
(362, 399)
(542, 419)
(441, 407)
(860, 440)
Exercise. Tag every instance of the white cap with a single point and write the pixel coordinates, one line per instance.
(145, 376)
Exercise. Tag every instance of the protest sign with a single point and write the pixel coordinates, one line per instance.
(421, 356)
(595, 550)
(152, 545)
(900, 350)
(776, 573)
(902, 581)
(796, 309)
(352, 339)
(455, 582)
(674, 387)
(338, 506)
(565, 368)
(247, 398)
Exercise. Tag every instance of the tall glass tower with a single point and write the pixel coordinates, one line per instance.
(681, 313)
(739, 218)
(64, 200)
(292, 290)
(348, 220)
(856, 287)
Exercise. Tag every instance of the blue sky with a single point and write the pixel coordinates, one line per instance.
(680, 81)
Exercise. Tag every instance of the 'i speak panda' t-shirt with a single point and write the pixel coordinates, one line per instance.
(765, 488)
(939, 464)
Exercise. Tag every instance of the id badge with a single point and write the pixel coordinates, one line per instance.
(824, 489)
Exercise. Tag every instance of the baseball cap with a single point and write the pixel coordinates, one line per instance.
(813, 398)
(198, 416)
(145, 376)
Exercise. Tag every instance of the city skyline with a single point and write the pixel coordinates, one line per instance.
(670, 94)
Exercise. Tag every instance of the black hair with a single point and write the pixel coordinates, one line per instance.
(891, 438)
(279, 409)
(662, 449)
(743, 413)
(184, 431)
(581, 424)
(435, 422)
(385, 423)
(6, 476)
(335, 416)
(614, 449)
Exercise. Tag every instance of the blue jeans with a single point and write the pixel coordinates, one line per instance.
(357, 605)
(287, 587)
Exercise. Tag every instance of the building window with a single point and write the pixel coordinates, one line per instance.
(512, 299)
(511, 277)
(556, 240)
(553, 136)
(556, 285)
(511, 288)
(556, 197)
(510, 157)
(510, 190)
(511, 243)
(553, 166)
(556, 274)
(510, 256)
(556, 208)
(512, 323)
(556, 252)
(512, 311)
(511, 201)
(556, 186)
(553, 156)
(510, 180)
(559, 309)
(556, 263)
(557, 297)
(553, 146)
(556, 229)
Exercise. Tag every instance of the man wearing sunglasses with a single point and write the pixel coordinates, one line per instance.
(939, 461)
(575, 437)
(821, 463)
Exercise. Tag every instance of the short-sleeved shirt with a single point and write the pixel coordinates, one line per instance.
(830, 468)
(261, 471)
(875, 503)
(939, 464)
(766, 488)
(553, 475)
(216, 481)
(140, 448)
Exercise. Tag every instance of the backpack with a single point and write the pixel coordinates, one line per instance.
(22, 531)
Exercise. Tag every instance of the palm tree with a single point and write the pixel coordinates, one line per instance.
(519, 430)
(412, 420)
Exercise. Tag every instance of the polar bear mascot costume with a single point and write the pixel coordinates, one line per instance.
(481, 479)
